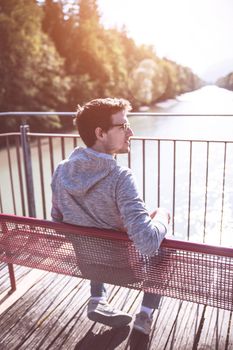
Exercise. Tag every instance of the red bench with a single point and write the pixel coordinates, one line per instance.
(184, 270)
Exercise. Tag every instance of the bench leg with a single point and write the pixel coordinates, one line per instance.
(12, 277)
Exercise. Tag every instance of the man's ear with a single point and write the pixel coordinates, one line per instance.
(99, 133)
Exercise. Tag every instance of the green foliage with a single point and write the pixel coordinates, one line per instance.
(31, 71)
(178, 79)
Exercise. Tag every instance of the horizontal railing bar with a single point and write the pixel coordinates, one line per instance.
(40, 134)
(72, 114)
(136, 138)
(9, 134)
(180, 114)
(35, 114)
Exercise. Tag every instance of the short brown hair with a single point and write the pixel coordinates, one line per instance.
(98, 113)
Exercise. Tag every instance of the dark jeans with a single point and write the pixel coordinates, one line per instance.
(149, 300)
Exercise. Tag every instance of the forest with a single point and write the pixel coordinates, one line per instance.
(54, 57)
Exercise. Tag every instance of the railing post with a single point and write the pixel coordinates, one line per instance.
(24, 129)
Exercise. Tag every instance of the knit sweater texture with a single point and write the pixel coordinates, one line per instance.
(91, 189)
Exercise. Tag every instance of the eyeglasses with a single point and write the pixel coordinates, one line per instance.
(124, 126)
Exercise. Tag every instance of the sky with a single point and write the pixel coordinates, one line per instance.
(194, 33)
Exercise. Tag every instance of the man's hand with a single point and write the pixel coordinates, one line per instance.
(162, 213)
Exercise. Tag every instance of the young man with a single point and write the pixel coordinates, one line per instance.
(90, 189)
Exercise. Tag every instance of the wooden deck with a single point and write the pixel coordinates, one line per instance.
(48, 311)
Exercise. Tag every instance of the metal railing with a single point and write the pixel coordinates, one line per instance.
(192, 178)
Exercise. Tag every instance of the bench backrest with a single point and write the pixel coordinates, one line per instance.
(184, 270)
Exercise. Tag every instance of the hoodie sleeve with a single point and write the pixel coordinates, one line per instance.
(55, 212)
(147, 234)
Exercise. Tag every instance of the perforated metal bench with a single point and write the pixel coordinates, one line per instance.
(184, 270)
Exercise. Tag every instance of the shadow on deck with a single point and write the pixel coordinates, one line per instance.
(48, 311)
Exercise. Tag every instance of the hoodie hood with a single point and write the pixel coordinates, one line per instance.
(84, 169)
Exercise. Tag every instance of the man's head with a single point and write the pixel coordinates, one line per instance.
(103, 125)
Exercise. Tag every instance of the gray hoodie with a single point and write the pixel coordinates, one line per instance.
(91, 189)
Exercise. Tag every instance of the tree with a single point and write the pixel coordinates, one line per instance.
(226, 82)
(78, 37)
(31, 71)
(147, 81)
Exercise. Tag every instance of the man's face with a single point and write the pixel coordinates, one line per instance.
(117, 137)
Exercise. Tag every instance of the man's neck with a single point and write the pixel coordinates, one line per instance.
(99, 148)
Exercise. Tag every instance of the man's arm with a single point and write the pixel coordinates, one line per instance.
(147, 234)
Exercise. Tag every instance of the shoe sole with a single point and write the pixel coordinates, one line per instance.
(111, 321)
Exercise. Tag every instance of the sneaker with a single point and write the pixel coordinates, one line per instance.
(143, 322)
(101, 311)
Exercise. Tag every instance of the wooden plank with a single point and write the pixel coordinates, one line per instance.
(164, 323)
(18, 322)
(20, 272)
(216, 326)
(57, 327)
(56, 316)
(186, 326)
(103, 338)
(23, 285)
(230, 333)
